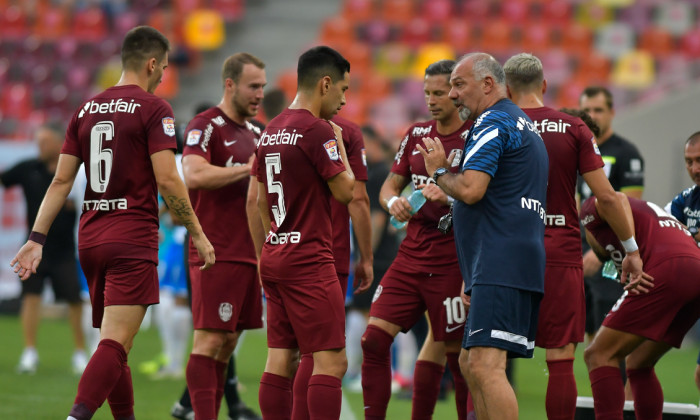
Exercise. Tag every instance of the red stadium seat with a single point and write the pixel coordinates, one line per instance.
(416, 32)
(90, 24)
(51, 24)
(16, 101)
(536, 38)
(657, 41)
(497, 37)
(358, 10)
(690, 44)
(515, 12)
(460, 34)
(336, 30)
(393, 60)
(437, 11)
(287, 81)
(557, 13)
(13, 23)
(377, 32)
(355, 109)
(577, 40)
(398, 11)
(186, 6)
(476, 10)
(231, 10)
(595, 68)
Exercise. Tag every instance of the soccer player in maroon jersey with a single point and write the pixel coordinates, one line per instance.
(642, 327)
(302, 164)
(356, 210)
(126, 137)
(425, 274)
(219, 148)
(572, 150)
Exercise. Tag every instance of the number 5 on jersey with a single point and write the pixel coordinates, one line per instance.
(100, 159)
(273, 166)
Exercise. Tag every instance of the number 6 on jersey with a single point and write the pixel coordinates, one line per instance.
(273, 165)
(100, 160)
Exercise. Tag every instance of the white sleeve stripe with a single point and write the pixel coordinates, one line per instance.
(483, 139)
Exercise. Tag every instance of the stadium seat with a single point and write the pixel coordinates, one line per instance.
(634, 70)
(231, 10)
(185, 7)
(557, 69)
(437, 11)
(537, 38)
(557, 13)
(336, 30)
(170, 84)
(690, 44)
(515, 12)
(595, 68)
(51, 24)
(204, 30)
(393, 60)
(428, 54)
(637, 16)
(459, 34)
(358, 54)
(658, 41)
(497, 37)
(287, 81)
(577, 40)
(13, 23)
(416, 32)
(615, 39)
(377, 32)
(358, 10)
(676, 17)
(16, 101)
(476, 10)
(90, 24)
(123, 22)
(355, 109)
(593, 14)
(397, 11)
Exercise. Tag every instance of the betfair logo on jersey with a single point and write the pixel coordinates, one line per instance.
(332, 149)
(547, 126)
(279, 137)
(111, 107)
(421, 131)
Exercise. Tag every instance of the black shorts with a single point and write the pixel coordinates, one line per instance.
(63, 273)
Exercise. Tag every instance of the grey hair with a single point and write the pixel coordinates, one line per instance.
(523, 71)
(485, 65)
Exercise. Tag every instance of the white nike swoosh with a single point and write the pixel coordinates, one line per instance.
(228, 143)
(474, 332)
(415, 152)
(449, 330)
(481, 141)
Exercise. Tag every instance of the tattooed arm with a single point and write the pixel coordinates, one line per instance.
(176, 198)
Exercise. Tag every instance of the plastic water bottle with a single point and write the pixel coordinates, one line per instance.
(416, 200)
(610, 270)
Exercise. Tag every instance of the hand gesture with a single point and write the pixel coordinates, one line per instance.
(205, 250)
(434, 155)
(637, 280)
(364, 276)
(27, 260)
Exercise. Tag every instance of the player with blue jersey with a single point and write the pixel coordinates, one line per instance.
(686, 206)
(499, 217)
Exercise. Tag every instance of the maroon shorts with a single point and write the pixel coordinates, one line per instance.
(119, 274)
(226, 297)
(670, 308)
(402, 297)
(307, 315)
(563, 309)
(343, 281)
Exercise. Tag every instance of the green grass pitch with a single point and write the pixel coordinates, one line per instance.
(49, 393)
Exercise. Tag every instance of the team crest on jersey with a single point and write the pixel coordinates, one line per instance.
(377, 293)
(225, 311)
(364, 157)
(457, 158)
(193, 137)
(219, 121)
(595, 146)
(169, 126)
(332, 149)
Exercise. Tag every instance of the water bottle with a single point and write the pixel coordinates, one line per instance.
(416, 200)
(610, 270)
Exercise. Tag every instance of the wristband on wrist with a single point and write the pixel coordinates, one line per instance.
(37, 237)
(630, 245)
(391, 201)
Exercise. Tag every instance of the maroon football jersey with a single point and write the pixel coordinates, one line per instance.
(115, 133)
(222, 142)
(431, 250)
(572, 150)
(355, 148)
(297, 153)
(659, 235)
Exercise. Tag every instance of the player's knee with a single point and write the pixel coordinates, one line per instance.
(593, 357)
(463, 360)
(376, 342)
